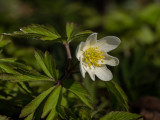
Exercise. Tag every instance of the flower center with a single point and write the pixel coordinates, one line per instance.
(92, 55)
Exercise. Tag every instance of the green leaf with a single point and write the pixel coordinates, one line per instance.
(33, 105)
(69, 29)
(84, 114)
(40, 59)
(7, 60)
(30, 117)
(81, 35)
(25, 87)
(78, 90)
(47, 32)
(117, 115)
(51, 65)
(84, 32)
(33, 32)
(51, 102)
(118, 94)
(50, 28)
(7, 69)
(19, 72)
(13, 65)
(66, 113)
(52, 115)
(4, 41)
(47, 64)
(25, 36)
(21, 78)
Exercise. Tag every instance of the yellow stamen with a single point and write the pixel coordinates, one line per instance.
(92, 55)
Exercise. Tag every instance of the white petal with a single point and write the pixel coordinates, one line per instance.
(103, 73)
(108, 43)
(79, 50)
(91, 72)
(91, 40)
(83, 71)
(109, 60)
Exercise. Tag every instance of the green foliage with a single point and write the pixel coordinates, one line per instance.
(117, 115)
(25, 87)
(72, 33)
(145, 35)
(84, 114)
(47, 64)
(15, 64)
(41, 32)
(81, 34)
(18, 72)
(30, 117)
(34, 32)
(49, 99)
(78, 90)
(51, 103)
(22, 78)
(33, 105)
(136, 23)
(3, 41)
(66, 113)
(48, 33)
(151, 10)
(117, 21)
(69, 29)
(117, 95)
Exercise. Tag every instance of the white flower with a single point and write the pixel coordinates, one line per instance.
(93, 56)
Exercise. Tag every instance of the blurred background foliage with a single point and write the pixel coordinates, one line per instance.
(135, 22)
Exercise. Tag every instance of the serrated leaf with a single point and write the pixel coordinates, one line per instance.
(78, 90)
(117, 115)
(51, 29)
(47, 64)
(69, 29)
(51, 101)
(26, 36)
(21, 78)
(33, 105)
(51, 65)
(40, 59)
(118, 94)
(47, 33)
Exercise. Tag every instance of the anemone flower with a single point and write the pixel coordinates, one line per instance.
(93, 56)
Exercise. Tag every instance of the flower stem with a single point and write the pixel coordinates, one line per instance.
(69, 56)
(68, 51)
(68, 67)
